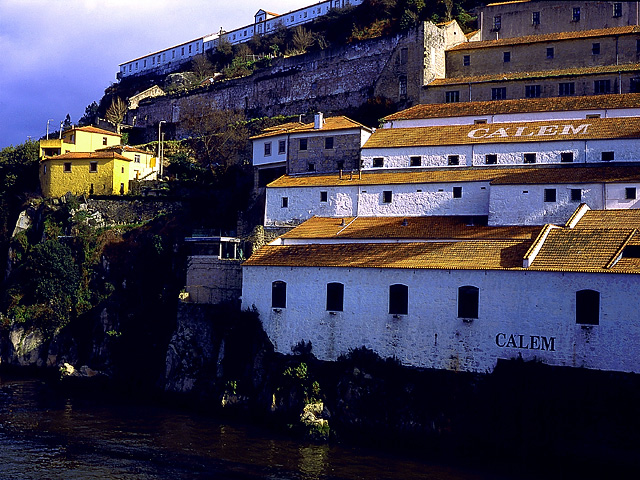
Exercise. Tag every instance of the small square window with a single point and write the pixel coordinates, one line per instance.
(387, 196)
(480, 121)
(634, 85)
(311, 167)
(136, 159)
(549, 194)
(506, 57)
(340, 164)
(466, 60)
(452, 96)
(93, 166)
(67, 167)
(550, 53)
(104, 140)
(576, 14)
(457, 192)
(630, 193)
(328, 143)
(453, 160)
(607, 156)
(576, 194)
(566, 89)
(617, 9)
(595, 48)
(566, 157)
(303, 144)
(324, 196)
(529, 158)
(378, 162)
(491, 159)
(267, 149)
(285, 202)
(415, 161)
(535, 18)
(282, 147)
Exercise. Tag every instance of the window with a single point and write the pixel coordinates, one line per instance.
(104, 140)
(328, 143)
(452, 96)
(340, 164)
(468, 301)
(303, 144)
(576, 14)
(398, 299)
(535, 18)
(267, 149)
(415, 161)
(122, 170)
(323, 196)
(278, 294)
(183, 49)
(404, 55)
(466, 60)
(588, 307)
(529, 158)
(576, 194)
(630, 193)
(453, 160)
(402, 86)
(566, 157)
(550, 53)
(93, 166)
(282, 146)
(67, 167)
(595, 48)
(387, 196)
(532, 91)
(378, 162)
(311, 167)
(602, 86)
(285, 202)
(499, 93)
(457, 192)
(497, 23)
(634, 85)
(506, 57)
(593, 115)
(549, 195)
(491, 159)
(480, 121)
(607, 156)
(617, 9)
(335, 297)
(122, 189)
(565, 89)
(136, 159)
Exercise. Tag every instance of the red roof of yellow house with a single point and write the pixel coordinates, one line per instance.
(549, 37)
(100, 155)
(92, 129)
(526, 105)
(330, 124)
(124, 148)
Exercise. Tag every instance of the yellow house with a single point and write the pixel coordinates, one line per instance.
(98, 173)
(79, 139)
(143, 163)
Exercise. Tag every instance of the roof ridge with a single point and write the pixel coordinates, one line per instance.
(618, 255)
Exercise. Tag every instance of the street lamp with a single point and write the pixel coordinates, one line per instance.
(50, 120)
(160, 152)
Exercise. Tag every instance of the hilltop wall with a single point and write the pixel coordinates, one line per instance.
(333, 81)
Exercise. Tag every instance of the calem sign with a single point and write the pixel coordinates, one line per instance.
(528, 131)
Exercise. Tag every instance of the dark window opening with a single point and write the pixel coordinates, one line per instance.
(497, 23)
(281, 146)
(566, 157)
(67, 167)
(532, 91)
(468, 301)
(506, 57)
(328, 143)
(630, 193)
(529, 158)
(335, 297)
(93, 167)
(324, 196)
(453, 160)
(617, 9)
(607, 156)
(457, 192)
(549, 195)
(303, 144)
(398, 299)
(595, 48)
(452, 96)
(278, 294)
(267, 149)
(631, 251)
(588, 307)
(491, 159)
(535, 18)
(576, 14)
(415, 161)
(378, 162)
(550, 53)
(311, 167)
(634, 85)
(402, 86)
(285, 202)
(466, 60)
(566, 89)
(387, 196)
(576, 194)
(602, 86)
(340, 164)
(499, 93)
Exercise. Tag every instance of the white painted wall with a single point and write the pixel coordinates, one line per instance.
(259, 158)
(431, 335)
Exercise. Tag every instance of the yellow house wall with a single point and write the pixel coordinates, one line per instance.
(146, 166)
(106, 181)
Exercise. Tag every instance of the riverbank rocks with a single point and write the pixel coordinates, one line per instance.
(312, 419)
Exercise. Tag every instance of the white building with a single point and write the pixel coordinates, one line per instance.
(452, 296)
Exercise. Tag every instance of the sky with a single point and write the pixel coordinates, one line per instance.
(58, 56)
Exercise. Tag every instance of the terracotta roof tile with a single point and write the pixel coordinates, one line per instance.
(515, 132)
(124, 148)
(330, 124)
(87, 156)
(434, 227)
(496, 107)
(541, 74)
(499, 175)
(549, 37)
(624, 219)
(92, 129)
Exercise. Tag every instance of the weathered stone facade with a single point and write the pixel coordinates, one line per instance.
(213, 280)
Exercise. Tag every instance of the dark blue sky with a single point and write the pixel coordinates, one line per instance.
(58, 56)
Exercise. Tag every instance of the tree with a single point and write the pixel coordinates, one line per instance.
(202, 68)
(90, 114)
(302, 39)
(67, 122)
(116, 111)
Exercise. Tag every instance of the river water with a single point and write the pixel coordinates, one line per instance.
(46, 433)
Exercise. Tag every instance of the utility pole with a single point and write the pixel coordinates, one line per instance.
(160, 145)
(50, 120)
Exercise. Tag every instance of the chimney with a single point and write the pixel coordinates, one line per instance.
(318, 121)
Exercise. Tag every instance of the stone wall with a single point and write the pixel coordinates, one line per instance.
(126, 210)
(346, 148)
(212, 280)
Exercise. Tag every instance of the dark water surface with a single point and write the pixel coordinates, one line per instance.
(49, 434)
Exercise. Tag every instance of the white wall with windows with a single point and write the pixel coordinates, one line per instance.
(519, 313)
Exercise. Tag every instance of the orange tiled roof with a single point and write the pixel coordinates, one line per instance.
(559, 130)
(495, 4)
(627, 218)
(433, 227)
(92, 129)
(88, 156)
(549, 37)
(330, 124)
(541, 74)
(497, 107)
(124, 148)
(555, 174)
